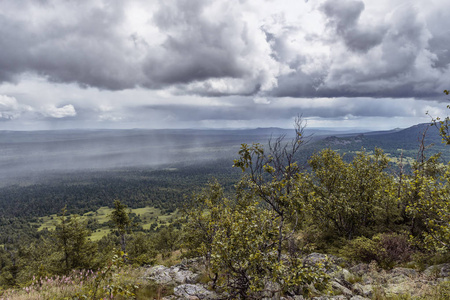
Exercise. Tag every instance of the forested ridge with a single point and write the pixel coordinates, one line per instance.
(138, 188)
(252, 220)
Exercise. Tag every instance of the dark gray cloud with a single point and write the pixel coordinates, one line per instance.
(219, 48)
(74, 42)
(399, 57)
(195, 48)
(343, 19)
(243, 108)
(87, 42)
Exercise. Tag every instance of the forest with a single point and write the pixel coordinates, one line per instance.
(251, 220)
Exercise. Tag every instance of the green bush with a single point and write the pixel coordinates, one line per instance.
(387, 249)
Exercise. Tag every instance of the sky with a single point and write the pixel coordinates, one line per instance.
(222, 63)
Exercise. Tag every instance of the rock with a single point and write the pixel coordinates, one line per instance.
(341, 289)
(340, 297)
(393, 290)
(439, 271)
(360, 269)
(183, 276)
(342, 274)
(197, 265)
(363, 290)
(194, 291)
(271, 289)
(397, 279)
(359, 298)
(298, 297)
(315, 258)
(160, 275)
(411, 273)
(357, 289)
(172, 275)
(331, 263)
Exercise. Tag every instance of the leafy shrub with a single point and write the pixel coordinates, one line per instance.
(386, 249)
(361, 249)
(396, 248)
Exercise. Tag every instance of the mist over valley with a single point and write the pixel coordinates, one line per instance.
(31, 156)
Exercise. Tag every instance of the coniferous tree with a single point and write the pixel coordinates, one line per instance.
(121, 219)
(72, 240)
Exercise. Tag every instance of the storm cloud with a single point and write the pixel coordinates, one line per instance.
(107, 60)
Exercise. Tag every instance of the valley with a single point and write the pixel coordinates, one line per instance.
(158, 176)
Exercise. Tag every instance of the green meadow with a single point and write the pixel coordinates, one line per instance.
(148, 216)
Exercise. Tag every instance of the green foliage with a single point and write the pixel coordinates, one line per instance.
(251, 240)
(244, 249)
(141, 250)
(166, 241)
(154, 291)
(114, 281)
(274, 176)
(443, 125)
(387, 249)
(202, 215)
(352, 198)
(428, 201)
(428, 193)
(121, 220)
(105, 283)
(72, 241)
(243, 239)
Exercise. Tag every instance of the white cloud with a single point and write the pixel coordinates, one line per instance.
(261, 100)
(11, 109)
(59, 112)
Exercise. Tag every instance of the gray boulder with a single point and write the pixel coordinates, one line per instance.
(363, 290)
(411, 273)
(360, 269)
(194, 291)
(160, 275)
(339, 297)
(338, 287)
(439, 271)
(173, 275)
(330, 263)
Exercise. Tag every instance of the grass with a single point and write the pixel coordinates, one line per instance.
(406, 160)
(114, 281)
(99, 233)
(148, 215)
(118, 283)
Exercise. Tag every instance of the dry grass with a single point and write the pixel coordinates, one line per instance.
(120, 284)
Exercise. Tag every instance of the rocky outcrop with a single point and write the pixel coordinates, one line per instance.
(330, 263)
(194, 291)
(358, 282)
(438, 271)
(171, 276)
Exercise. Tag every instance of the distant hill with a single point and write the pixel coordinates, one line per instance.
(392, 141)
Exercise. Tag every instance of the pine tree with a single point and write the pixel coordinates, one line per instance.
(121, 219)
